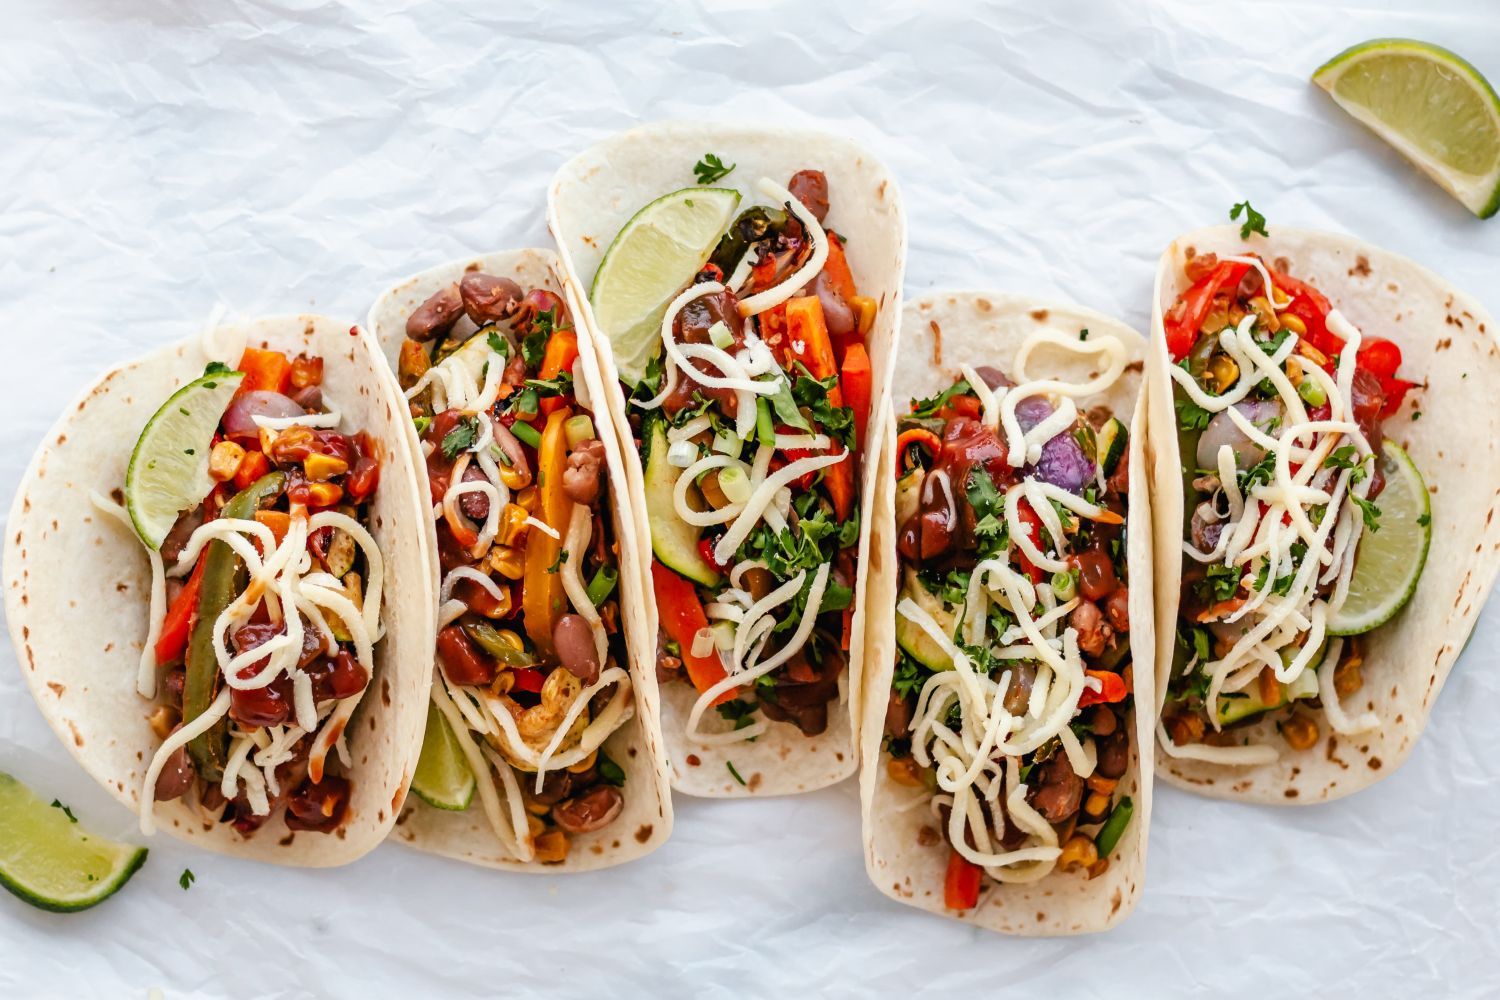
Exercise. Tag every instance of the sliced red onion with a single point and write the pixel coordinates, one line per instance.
(1031, 411)
(1063, 463)
(1221, 430)
(239, 422)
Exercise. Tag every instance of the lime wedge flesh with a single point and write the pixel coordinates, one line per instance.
(1432, 106)
(443, 778)
(52, 862)
(168, 470)
(1389, 561)
(649, 263)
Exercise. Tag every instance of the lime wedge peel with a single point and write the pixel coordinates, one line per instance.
(50, 861)
(443, 779)
(1388, 564)
(1431, 105)
(168, 471)
(654, 256)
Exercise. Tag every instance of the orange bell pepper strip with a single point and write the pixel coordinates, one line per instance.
(278, 521)
(267, 371)
(561, 352)
(918, 436)
(543, 599)
(682, 617)
(837, 270)
(252, 467)
(808, 342)
(177, 625)
(856, 384)
(1111, 689)
(961, 884)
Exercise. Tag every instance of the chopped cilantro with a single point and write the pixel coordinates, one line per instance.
(217, 368)
(730, 764)
(461, 437)
(1254, 221)
(930, 407)
(1369, 511)
(610, 771)
(66, 811)
(708, 170)
(562, 557)
(1191, 416)
(186, 879)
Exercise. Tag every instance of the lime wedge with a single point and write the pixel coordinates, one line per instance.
(168, 470)
(443, 778)
(48, 860)
(1432, 106)
(1389, 562)
(649, 263)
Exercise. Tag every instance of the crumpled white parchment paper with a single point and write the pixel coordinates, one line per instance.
(158, 158)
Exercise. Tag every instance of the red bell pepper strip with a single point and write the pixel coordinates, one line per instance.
(807, 342)
(177, 625)
(267, 371)
(529, 679)
(706, 550)
(1112, 689)
(561, 353)
(856, 383)
(961, 884)
(961, 406)
(1187, 313)
(1034, 532)
(682, 617)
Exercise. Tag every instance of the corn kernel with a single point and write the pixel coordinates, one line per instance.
(904, 771)
(514, 478)
(585, 764)
(163, 721)
(1099, 783)
(1078, 852)
(1224, 371)
(1293, 371)
(224, 461)
(321, 468)
(513, 525)
(1096, 805)
(865, 309)
(508, 562)
(1300, 732)
(324, 494)
(1311, 353)
(1293, 323)
(552, 847)
(529, 499)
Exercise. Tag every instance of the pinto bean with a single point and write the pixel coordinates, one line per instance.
(593, 810)
(177, 775)
(1117, 610)
(811, 188)
(1093, 632)
(581, 478)
(897, 716)
(1057, 790)
(1113, 753)
(574, 639)
(436, 315)
(487, 298)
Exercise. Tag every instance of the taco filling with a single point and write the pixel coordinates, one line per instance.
(532, 674)
(749, 419)
(1012, 693)
(1281, 406)
(266, 595)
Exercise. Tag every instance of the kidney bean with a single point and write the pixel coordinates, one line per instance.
(177, 775)
(574, 639)
(463, 663)
(487, 299)
(591, 811)
(811, 188)
(436, 315)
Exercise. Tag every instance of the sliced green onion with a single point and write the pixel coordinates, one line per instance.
(1064, 586)
(682, 454)
(1114, 827)
(527, 433)
(720, 335)
(725, 443)
(578, 430)
(421, 424)
(765, 430)
(734, 484)
(602, 585)
(1312, 392)
(723, 635)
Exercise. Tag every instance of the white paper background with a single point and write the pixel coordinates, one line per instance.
(156, 158)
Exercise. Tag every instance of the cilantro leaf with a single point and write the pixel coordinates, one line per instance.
(498, 344)
(1254, 221)
(786, 407)
(461, 437)
(708, 170)
(217, 368)
(610, 771)
(56, 804)
(1191, 416)
(1368, 511)
(186, 879)
(930, 407)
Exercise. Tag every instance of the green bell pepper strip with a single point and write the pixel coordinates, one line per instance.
(223, 579)
(1114, 827)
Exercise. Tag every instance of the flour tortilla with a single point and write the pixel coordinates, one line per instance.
(939, 332)
(646, 821)
(590, 200)
(77, 590)
(1447, 342)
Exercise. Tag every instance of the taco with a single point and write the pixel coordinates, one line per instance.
(218, 598)
(1327, 473)
(746, 438)
(1009, 687)
(745, 329)
(542, 698)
